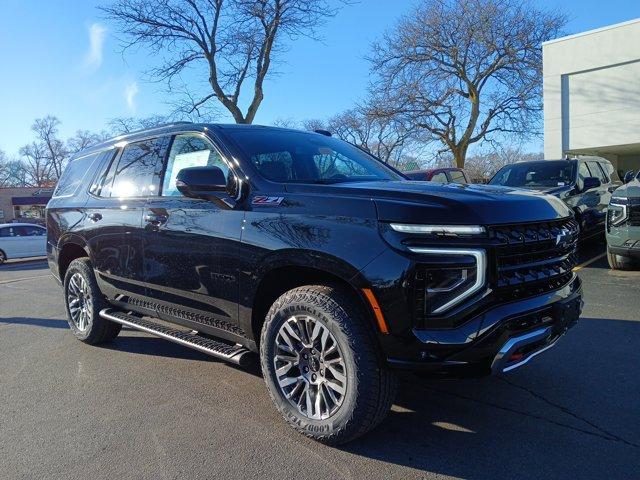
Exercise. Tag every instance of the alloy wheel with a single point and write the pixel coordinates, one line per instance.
(309, 367)
(79, 302)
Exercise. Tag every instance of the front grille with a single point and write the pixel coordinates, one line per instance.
(524, 260)
(634, 215)
(533, 258)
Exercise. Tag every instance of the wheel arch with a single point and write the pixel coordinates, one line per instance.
(70, 248)
(278, 277)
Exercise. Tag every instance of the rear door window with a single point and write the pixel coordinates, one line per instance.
(6, 232)
(74, 173)
(137, 171)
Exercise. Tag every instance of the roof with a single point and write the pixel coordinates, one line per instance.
(16, 224)
(436, 169)
(591, 32)
(172, 128)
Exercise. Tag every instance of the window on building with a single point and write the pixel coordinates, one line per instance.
(190, 150)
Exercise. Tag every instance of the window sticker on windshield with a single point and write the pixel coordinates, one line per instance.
(261, 200)
(561, 184)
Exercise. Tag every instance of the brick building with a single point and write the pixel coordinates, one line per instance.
(25, 204)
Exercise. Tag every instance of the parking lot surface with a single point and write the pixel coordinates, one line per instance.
(142, 407)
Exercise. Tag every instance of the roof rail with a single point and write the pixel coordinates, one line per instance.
(155, 127)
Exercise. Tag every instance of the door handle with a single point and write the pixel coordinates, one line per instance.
(155, 218)
(95, 216)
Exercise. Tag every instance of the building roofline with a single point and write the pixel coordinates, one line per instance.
(590, 32)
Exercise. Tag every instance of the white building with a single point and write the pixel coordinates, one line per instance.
(592, 95)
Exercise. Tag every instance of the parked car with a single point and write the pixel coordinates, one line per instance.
(22, 240)
(623, 227)
(439, 175)
(318, 257)
(585, 185)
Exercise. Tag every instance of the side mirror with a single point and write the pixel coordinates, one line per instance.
(200, 182)
(629, 176)
(591, 182)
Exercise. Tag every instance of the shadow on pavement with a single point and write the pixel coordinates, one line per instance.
(23, 266)
(566, 415)
(38, 322)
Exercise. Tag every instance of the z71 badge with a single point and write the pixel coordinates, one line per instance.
(262, 201)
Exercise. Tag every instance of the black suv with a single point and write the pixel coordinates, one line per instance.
(334, 268)
(584, 184)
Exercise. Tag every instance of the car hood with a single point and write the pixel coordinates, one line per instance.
(427, 202)
(629, 190)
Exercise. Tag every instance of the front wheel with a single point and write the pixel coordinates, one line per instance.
(84, 300)
(321, 366)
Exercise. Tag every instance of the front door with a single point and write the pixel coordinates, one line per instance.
(191, 246)
(113, 225)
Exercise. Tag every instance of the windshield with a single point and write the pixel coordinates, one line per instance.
(535, 174)
(290, 156)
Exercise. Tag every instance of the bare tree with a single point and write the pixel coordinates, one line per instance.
(84, 139)
(466, 70)
(45, 157)
(386, 137)
(234, 40)
(12, 172)
(481, 167)
(124, 125)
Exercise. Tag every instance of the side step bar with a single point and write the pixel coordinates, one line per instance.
(231, 353)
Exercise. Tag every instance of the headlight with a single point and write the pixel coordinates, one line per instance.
(438, 229)
(448, 284)
(617, 213)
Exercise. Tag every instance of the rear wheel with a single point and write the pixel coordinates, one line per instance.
(619, 262)
(321, 365)
(84, 300)
(3, 257)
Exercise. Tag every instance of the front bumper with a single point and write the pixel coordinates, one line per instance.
(499, 340)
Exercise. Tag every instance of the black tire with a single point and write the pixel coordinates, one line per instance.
(98, 329)
(619, 262)
(3, 257)
(370, 386)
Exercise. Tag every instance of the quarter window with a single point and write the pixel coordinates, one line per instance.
(137, 171)
(73, 175)
(190, 150)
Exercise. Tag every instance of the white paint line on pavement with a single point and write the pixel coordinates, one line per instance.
(24, 278)
(589, 262)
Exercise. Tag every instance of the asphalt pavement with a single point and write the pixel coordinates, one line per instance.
(142, 407)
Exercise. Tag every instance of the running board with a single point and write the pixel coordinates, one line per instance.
(231, 353)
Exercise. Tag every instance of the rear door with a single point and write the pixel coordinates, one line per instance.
(192, 245)
(11, 244)
(32, 240)
(113, 225)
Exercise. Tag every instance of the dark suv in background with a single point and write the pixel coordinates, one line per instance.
(302, 248)
(585, 185)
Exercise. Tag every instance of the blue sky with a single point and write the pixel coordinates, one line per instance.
(61, 58)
